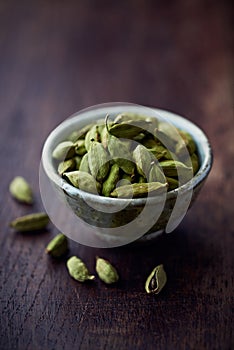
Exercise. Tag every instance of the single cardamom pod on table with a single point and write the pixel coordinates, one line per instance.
(21, 190)
(78, 270)
(30, 222)
(106, 272)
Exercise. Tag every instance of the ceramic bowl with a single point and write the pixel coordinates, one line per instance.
(111, 217)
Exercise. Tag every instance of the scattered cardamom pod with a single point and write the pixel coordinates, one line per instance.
(58, 246)
(156, 280)
(78, 270)
(106, 272)
(21, 190)
(30, 222)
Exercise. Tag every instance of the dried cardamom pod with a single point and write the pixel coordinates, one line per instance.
(77, 160)
(156, 174)
(80, 147)
(128, 129)
(188, 141)
(92, 135)
(84, 164)
(83, 181)
(159, 151)
(156, 280)
(58, 246)
(168, 142)
(138, 190)
(142, 180)
(126, 116)
(172, 183)
(66, 165)
(78, 270)
(149, 142)
(106, 272)
(31, 222)
(129, 178)
(170, 130)
(172, 168)
(21, 190)
(98, 161)
(64, 150)
(111, 181)
(105, 137)
(121, 155)
(142, 159)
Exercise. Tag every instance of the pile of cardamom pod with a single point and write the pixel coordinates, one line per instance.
(131, 156)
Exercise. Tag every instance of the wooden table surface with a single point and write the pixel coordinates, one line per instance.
(58, 57)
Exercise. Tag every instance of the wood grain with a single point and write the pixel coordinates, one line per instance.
(58, 57)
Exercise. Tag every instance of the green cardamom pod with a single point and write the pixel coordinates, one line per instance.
(142, 180)
(74, 135)
(78, 270)
(92, 135)
(170, 130)
(58, 246)
(149, 142)
(129, 129)
(64, 150)
(172, 183)
(77, 160)
(129, 178)
(98, 161)
(168, 142)
(156, 174)
(83, 181)
(126, 116)
(66, 165)
(138, 190)
(171, 168)
(104, 137)
(110, 183)
(30, 222)
(84, 164)
(156, 280)
(159, 152)
(80, 147)
(120, 154)
(188, 140)
(143, 160)
(21, 190)
(106, 272)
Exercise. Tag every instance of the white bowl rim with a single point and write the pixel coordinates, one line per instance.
(202, 173)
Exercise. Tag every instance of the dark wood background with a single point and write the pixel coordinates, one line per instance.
(57, 57)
